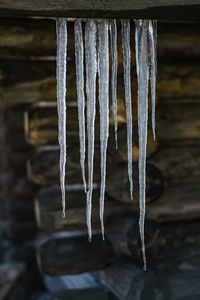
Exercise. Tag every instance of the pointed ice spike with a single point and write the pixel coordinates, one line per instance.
(127, 84)
(91, 71)
(152, 33)
(103, 63)
(61, 29)
(142, 66)
(113, 43)
(79, 53)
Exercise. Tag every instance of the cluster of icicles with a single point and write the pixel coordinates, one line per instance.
(94, 57)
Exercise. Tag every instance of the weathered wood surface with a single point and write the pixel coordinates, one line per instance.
(43, 167)
(128, 281)
(32, 80)
(178, 163)
(123, 234)
(82, 285)
(49, 216)
(35, 39)
(146, 285)
(175, 163)
(117, 186)
(41, 128)
(182, 122)
(72, 255)
(28, 82)
(181, 10)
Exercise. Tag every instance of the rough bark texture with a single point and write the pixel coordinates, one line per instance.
(158, 9)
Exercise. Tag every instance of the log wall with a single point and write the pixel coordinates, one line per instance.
(29, 141)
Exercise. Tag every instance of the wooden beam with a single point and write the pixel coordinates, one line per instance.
(73, 255)
(157, 9)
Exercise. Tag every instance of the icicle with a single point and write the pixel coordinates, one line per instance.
(127, 85)
(61, 29)
(103, 67)
(91, 71)
(152, 33)
(142, 65)
(80, 93)
(113, 42)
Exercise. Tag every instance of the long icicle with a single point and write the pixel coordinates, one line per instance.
(91, 71)
(142, 66)
(113, 43)
(103, 67)
(79, 53)
(152, 33)
(127, 85)
(61, 30)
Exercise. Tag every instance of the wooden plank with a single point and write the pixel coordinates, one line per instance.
(127, 280)
(178, 9)
(73, 255)
(43, 167)
(49, 215)
(178, 163)
(35, 39)
(182, 123)
(25, 82)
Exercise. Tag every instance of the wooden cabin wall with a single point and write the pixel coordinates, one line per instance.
(30, 193)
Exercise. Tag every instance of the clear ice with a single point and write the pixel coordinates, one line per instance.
(103, 72)
(97, 62)
(91, 73)
(79, 53)
(113, 43)
(61, 68)
(127, 84)
(152, 35)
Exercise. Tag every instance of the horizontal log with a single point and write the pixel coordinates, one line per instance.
(170, 205)
(33, 81)
(74, 255)
(174, 206)
(182, 123)
(41, 128)
(127, 280)
(49, 215)
(117, 186)
(181, 10)
(84, 284)
(178, 163)
(23, 38)
(123, 234)
(168, 283)
(43, 166)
